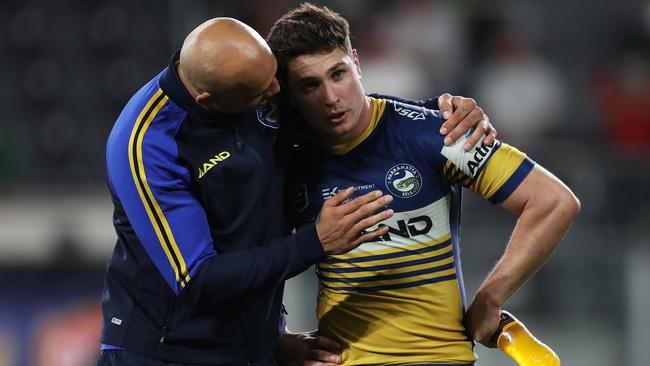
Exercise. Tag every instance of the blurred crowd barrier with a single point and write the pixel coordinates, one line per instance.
(567, 83)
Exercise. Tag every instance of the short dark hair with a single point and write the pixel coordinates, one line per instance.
(306, 30)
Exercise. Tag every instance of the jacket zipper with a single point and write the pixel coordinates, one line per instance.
(170, 310)
(238, 138)
(239, 141)
(267, 175)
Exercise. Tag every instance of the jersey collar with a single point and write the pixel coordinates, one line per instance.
(378, 106)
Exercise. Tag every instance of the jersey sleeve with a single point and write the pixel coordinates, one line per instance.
(170, 223)
(493, 172)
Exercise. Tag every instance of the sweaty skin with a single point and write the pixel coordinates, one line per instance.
(227, 66)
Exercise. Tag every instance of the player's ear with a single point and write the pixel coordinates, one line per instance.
(355, 59)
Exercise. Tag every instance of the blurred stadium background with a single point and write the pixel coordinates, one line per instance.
(567, 81)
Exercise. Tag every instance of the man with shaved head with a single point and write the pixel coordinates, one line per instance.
(197, 179)
(232, 75)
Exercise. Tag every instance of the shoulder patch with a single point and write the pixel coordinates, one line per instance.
(268, 113)
(470, 162)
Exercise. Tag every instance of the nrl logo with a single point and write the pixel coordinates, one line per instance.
(268, 113)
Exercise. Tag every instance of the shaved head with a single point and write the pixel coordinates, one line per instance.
(227, 59)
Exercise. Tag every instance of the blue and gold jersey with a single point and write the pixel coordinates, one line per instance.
(400, 299)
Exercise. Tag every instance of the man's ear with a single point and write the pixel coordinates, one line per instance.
(355, 59)
(204, 99)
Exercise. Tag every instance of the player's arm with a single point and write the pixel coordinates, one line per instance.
(546, 207)
(172, 226)
(461, 115)
(340, 227)
(220, 276)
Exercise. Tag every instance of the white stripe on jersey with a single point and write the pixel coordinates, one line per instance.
(414, 222)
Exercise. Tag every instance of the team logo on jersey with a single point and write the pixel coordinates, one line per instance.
(268, 113)
(403, 180)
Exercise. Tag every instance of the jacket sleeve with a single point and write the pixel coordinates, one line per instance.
(173, 228)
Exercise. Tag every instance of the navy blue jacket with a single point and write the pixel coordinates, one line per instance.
(198, 270)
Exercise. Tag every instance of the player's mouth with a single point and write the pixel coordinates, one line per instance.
(337, 118)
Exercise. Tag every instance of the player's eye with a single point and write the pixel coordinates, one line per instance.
(310, 86)
(338, 74)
